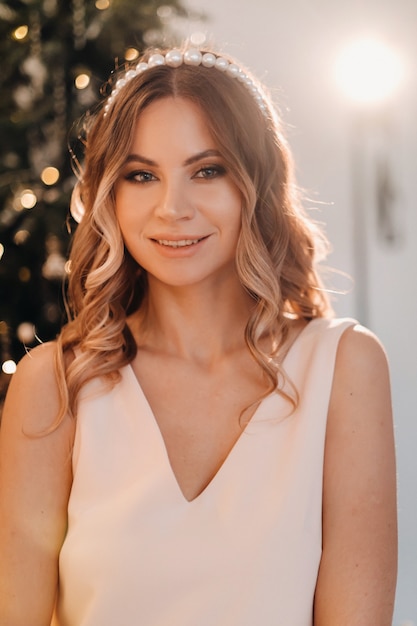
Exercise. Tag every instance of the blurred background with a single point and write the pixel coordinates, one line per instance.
(343, 75)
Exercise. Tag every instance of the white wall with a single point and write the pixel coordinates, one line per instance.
(291, 45)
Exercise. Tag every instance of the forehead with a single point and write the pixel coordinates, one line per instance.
(172, 122)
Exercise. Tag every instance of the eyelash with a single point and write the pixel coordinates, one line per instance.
(134, 176)
(218, 170)
(213, 170)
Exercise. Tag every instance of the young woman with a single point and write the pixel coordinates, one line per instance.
(204, 444)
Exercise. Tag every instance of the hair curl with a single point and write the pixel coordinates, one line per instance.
(277, 253)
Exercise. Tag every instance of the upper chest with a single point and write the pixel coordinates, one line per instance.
(200, 412)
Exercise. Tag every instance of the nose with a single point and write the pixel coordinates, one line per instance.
(174, 203)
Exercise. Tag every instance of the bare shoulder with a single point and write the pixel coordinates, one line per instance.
(29, 433)
(38, 361)
(360, 412)
(37, 366)
(357, 576)
(360, 347)
(361, 385)
(33, 391)
(35, 482)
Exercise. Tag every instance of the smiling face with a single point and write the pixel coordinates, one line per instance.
(176, 203)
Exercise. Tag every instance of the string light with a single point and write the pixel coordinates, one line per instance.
(102, 5)
(20, 32)
(26, 332)
(164, 12)
(54, 266)
(1, 250)
(50, 175)
(28, 199)
(9, 367)
(82, 81)
(21, 236)
(131, 54)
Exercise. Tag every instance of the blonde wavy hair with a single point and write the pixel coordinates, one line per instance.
(277, 253)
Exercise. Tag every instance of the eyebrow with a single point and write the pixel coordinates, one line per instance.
(192, 159)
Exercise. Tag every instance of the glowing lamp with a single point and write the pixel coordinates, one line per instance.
(369, 71)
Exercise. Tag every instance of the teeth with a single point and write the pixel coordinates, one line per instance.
(177, 244)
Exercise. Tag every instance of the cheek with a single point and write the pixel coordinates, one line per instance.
(126, 210)
(130, 227)
(234, 210)
(227, 200)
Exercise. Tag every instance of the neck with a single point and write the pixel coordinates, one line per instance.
(193, 322)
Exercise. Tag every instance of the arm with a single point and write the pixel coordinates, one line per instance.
(35, 480)
(357, 577)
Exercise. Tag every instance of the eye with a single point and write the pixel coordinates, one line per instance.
(140, 176)
(210, 171)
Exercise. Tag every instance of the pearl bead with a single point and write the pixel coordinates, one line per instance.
(209, 60)
(156, 59)
(173, 58)
(221, 64)
(193, 57)
(141, 67)
(233, 70)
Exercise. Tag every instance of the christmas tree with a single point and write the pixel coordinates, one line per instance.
(56, 55)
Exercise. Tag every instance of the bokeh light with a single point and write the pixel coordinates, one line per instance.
(198, 38)
(21, 236)
(82, 81)
(102, 5)
(164, 12)
(28, 199)
(9, 366)
(369, 71)
(50, 175)
(20, 32)
(26, 332)
(131, 54)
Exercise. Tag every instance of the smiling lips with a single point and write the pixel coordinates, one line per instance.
(180, 243)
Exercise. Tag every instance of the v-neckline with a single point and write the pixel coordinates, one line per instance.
(163, 447)
(232, 452)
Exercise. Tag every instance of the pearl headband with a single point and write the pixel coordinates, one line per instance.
(174, 58)
(192, 56)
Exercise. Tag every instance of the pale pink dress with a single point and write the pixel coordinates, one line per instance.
(245, 552)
